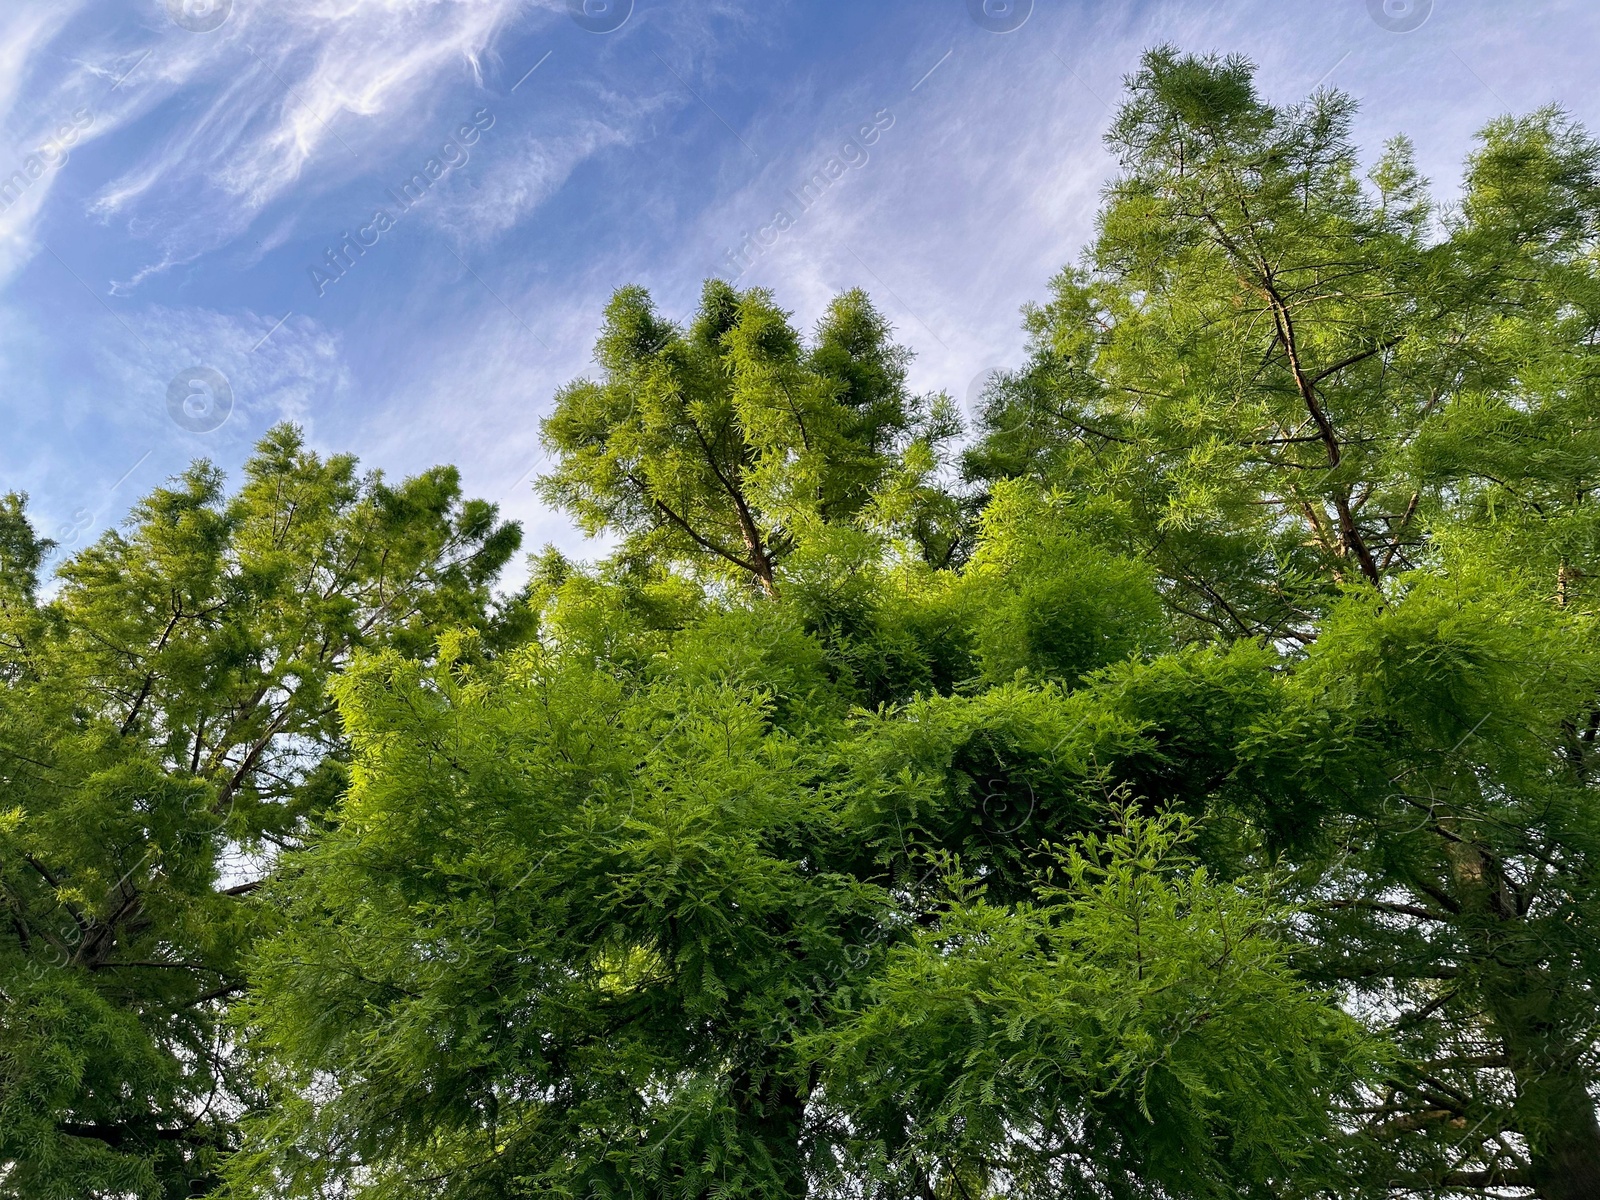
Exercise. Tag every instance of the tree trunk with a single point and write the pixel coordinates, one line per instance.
(1554, 1110)
(757, 548)
(1563, 1135)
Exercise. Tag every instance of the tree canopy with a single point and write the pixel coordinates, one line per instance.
(716, 446)
(166, 728)
(1181, 784)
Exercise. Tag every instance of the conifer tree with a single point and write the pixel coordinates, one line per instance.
(719, 444)
(1330, 414)
(166, 729)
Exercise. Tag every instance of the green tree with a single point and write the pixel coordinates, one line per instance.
(721, 444)
(1279, 372)
(1448, 875)
(639, 909)
(1329, 414)
(166, 728)
(1131, 1029)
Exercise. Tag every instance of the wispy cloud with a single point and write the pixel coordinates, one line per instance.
(303, 94)
(294, 375)
(218, 165)
(297, 94)
(100, 429)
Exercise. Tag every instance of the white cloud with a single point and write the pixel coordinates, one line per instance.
(44, 115)
(288, 372)
(519, 178)
(298, 93)
(98, 431)
(24, 32)
(281, 95)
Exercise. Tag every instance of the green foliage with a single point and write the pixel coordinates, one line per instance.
(616, 914)
(1197, 802)
(1439, 737)
(1137, 1013)
(1330, 415)
(165, 728)
(1279, 375)
(723, 444)
(623, 878)
(1049, 601)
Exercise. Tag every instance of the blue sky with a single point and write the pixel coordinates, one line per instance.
(183, 180)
